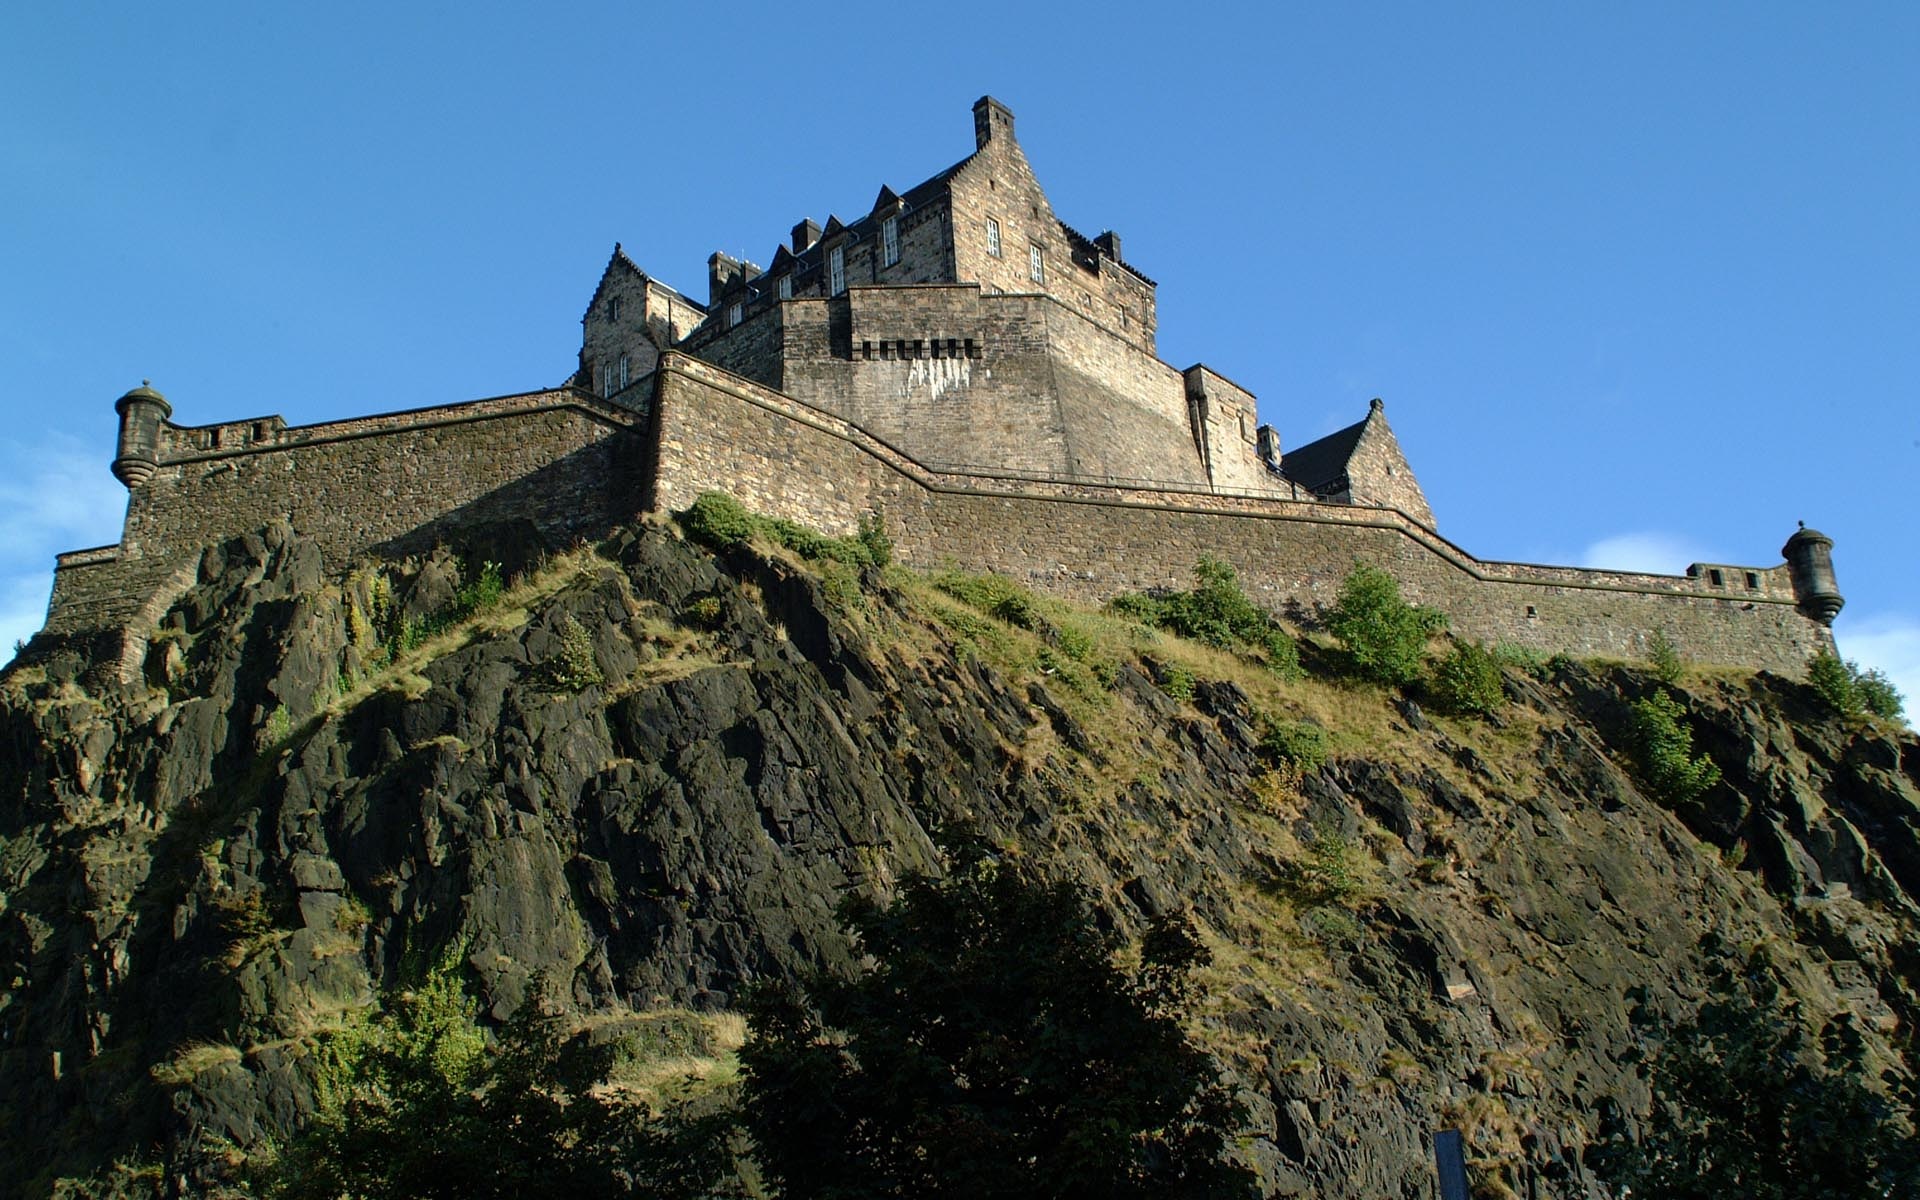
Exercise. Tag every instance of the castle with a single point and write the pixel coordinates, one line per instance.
(957, 358)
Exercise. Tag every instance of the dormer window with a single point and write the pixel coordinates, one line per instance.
(1036, 264)
(993, 237)
(733, 315)
(786, 287)
(837, 270)
(889, 241)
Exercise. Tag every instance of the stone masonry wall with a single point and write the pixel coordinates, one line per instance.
(786, 458)
(568, 463)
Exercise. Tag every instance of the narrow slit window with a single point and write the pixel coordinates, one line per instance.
(889, 241)
(733, 315)
(623, 370)
(837, 270)
(786, 287)
(1036, 264)
(993, 237)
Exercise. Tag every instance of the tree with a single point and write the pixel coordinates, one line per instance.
(418, 1104)
(1747, 1102)
(992, 1049)
(1385, 637)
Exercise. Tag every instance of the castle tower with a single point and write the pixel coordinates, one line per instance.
(142, 411)
(1809, 555)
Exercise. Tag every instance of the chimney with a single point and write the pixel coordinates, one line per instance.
(1110, 242)
(991, 119)
(805, 234)
(722, 271)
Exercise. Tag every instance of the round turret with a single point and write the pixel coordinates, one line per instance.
(1809, 555)
(142, 411)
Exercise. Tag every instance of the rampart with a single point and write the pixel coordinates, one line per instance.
(563, 461)
(1092, 539)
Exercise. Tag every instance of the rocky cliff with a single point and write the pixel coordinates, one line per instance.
(646, 774)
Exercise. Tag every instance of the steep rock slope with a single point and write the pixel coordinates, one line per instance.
(646, 776)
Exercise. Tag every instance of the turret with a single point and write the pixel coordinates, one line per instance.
(141, 412)
(1809, 555)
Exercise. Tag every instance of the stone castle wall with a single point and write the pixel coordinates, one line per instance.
(786, 458)
(563, 461)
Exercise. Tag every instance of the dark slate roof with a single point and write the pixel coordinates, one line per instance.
(1320, 464)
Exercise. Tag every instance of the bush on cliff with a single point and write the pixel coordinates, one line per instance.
(417, 1103)
(1468, 681)
(1851, 692)
(721, 522)
(1385, 637)
(993, 1049)
(1219, 613)
(1663, 750)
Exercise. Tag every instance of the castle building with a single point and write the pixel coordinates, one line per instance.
(957, 358)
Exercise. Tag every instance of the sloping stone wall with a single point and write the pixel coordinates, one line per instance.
(784, 457)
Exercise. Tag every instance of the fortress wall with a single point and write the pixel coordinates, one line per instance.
(783, 458)
(567, 463)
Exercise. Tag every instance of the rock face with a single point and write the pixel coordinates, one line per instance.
(648, 776)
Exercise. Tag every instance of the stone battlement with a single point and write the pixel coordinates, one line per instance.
(957, 358)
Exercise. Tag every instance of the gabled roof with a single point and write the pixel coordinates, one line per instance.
(1321, 464)
(618, 260)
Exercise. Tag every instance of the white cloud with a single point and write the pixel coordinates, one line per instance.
(23, 607)
(1889, 643)
(1648, 550)
(57, 496)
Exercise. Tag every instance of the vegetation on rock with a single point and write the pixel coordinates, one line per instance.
(1663, 750)
(1385, 637)
(1468, 680)
(1852, 692)
(1749, 1102)
(1216, 612)
(993, 1049)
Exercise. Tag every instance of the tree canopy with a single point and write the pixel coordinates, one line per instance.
(992, 1049)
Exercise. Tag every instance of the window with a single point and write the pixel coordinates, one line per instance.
(993, 237)
(1753, 580)
(786, 287)
(1713, 573)
(837, 270)
(623, 370)
(889, 241)
(613, 309)
(1036, 264)
(733, 315)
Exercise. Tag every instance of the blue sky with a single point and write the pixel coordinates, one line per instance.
(1638, 282)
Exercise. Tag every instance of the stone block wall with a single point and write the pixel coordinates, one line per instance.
(787, 458)
(568, 464)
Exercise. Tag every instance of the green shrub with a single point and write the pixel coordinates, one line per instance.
(279, 726)
(1217, 612)
(480, 593)
(1385, 637)
(718, 520)
(704, 613)
(1520, 658)
(575, 667)
(1851, 692)
(1177, 682)
(993, 594)
(1878, 695)
(1468, 680)
(1665, 657)
(873, 536)
(1663, 750)
(1300, 745)
(1330, 873)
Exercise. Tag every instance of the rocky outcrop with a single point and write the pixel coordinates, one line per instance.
(647, 775)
